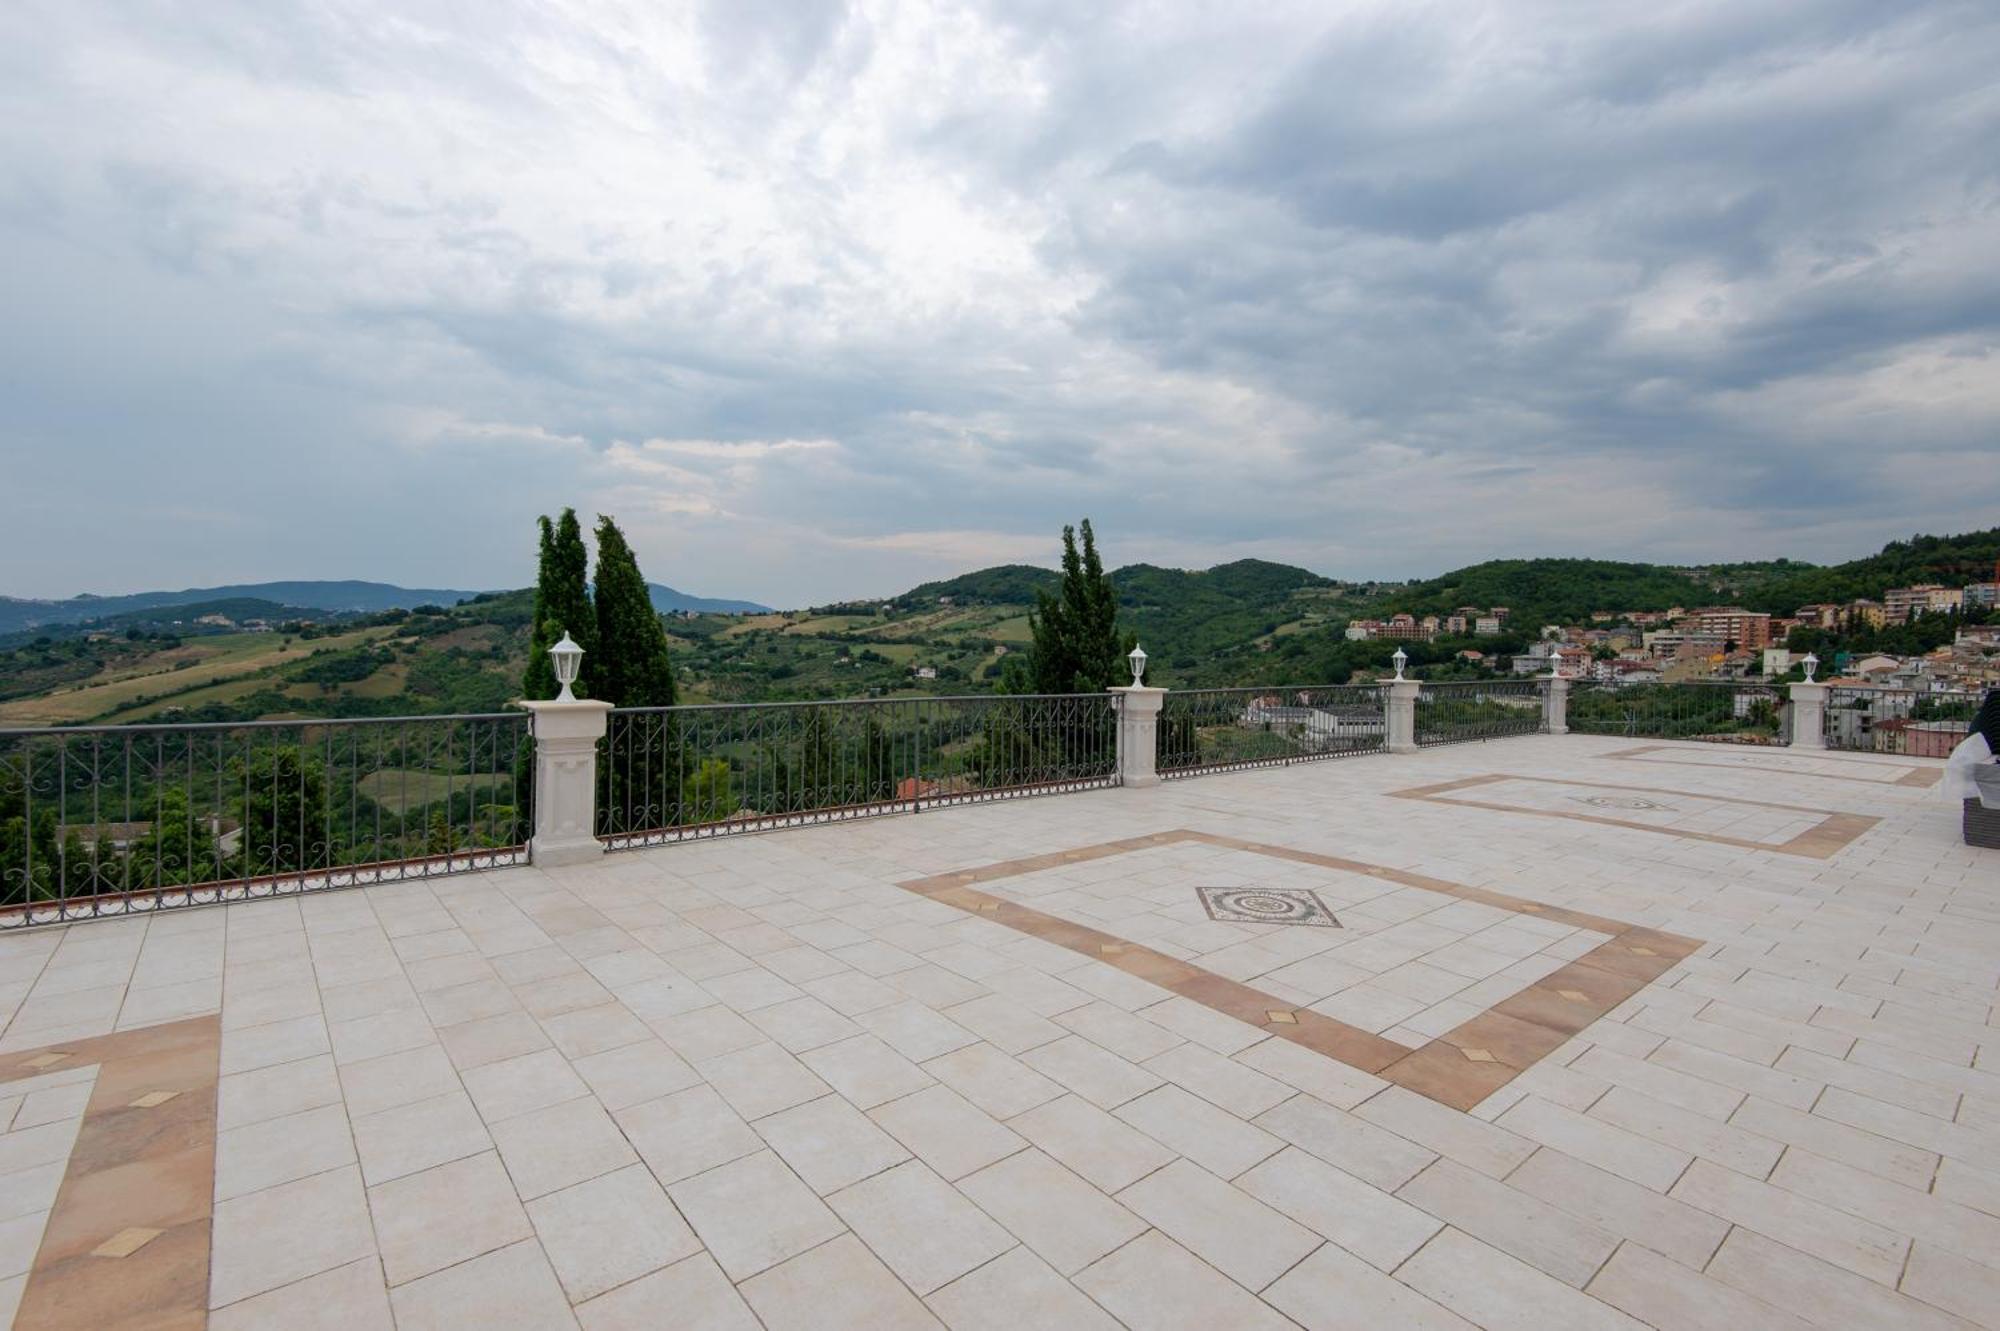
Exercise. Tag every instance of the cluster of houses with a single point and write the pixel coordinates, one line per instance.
(1466, 620)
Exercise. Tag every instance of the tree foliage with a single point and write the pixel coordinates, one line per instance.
(632, 666)
(1077, 648)
(562, 605)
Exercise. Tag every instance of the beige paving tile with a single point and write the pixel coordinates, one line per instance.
(511, 1289)
(705, 1033)
(915, 1030)
(1318, 1076)
(278, 1042)
(1347, 1142)
(474, 1044)
(919, 1225)
(1955, 1283)
(694, 1288)
(1068, 1222)
(1933, 1220)
(1502, 1293)
(1741, 1148)
(1102, 1149)
(1825, 1295)
(1611, 1148)
(1000, 1085)
(1091, 1071)
(1188, 1125)
(1154, 1284)
(1961, 1183)
(1016, 1289)
(946, 1131)
(347, 1298)
(1225, 1083)
(278, 1150)
(324, 1221)
(610, 1230)
(1617, 1206)
(1332, 1290)
(1130, 1036)
(561, 1146)
(440, 1217)
(1246, 1240)
(866, 1069)
(1796, 1221)
(1192, 1021)
(752, 1214)
(276, 1091)
(803, 1023)
(686, 1133)
(403, 1140)
(1672, 1297)
(382, 1083)
(835, 1284)
(762, 1079)
(519, 1085)
(1364, 1220)
(594, 1030)
(1511, 1220)
(631, 1074)
(381, 1033)
(829, 1143)
(1486, 1147)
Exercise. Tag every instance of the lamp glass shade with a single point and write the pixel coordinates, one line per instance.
(1138, 660)
(566, 656)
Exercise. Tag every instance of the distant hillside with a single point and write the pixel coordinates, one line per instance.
(1003, 584)
(1551, 591)
(349, 596)
(1952, 560)
(666, 598)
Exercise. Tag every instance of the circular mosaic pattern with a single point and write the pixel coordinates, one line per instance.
(1266, 905)
(1623, 802)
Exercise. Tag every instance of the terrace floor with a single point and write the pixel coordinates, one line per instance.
(1544, 1032)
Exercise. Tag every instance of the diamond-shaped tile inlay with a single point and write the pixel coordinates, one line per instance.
(1266, 905)
(1477, 1055)
(152, 1099)
(126, 1242)
(1574, 995)
(47, 1060)
(1285, 1018)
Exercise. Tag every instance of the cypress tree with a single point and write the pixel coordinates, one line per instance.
(632, 670)
(562, 605)
(1077, 647)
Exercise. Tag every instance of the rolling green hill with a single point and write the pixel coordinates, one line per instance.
(1952, 560)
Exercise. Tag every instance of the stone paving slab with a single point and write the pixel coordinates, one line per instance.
(1503, 1049)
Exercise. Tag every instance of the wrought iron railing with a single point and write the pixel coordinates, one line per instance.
(674, 773)
(1214, 730)
(1717, 711)
(1453, 712)
(109, 820)
(1910, 723)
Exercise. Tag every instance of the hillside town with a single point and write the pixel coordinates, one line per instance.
(1682, 645)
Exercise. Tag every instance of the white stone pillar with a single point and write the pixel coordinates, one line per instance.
(1555, 704)
(566, 735)
(1138, 710)
(1809, 716)
(1399, 714)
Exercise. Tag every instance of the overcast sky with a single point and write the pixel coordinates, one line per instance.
(822, 300)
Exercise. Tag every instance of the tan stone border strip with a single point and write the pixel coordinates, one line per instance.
(1920, 777)
(1834, 832)
(1460, 1068)
(127, 1243)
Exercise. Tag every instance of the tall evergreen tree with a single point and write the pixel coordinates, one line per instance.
(632, 669)
(1077, 647)
(562, 605)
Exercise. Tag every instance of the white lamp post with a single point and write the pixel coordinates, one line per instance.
(1401, 658)
(1138, 660)
(567, 656)
(1811, 663)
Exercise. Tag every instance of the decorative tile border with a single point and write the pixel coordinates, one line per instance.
(127, 1243)
(1921, 778)
(1459, 1069)
(1833, 833)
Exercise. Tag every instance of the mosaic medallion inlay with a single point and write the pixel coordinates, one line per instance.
(1266, 905)
(1620, 802)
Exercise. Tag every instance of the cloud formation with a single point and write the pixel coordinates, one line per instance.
(824, 299)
